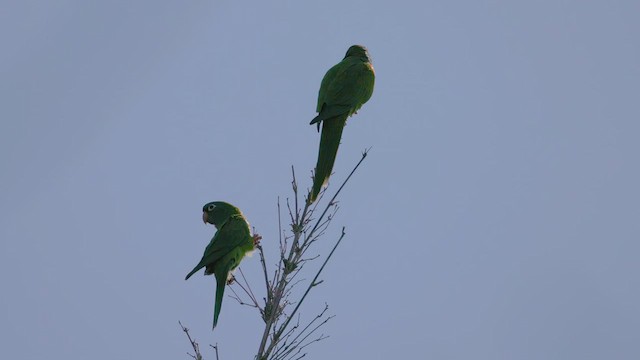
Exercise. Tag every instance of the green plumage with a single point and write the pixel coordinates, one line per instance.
(344, 89)
(228, 246)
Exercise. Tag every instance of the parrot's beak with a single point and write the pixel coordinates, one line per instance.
(205, 216)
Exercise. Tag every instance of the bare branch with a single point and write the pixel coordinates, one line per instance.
(194, 344)
(295, 193)
(276, 342)
(311, 284)
(263, 262)
(248, 289)
(364, 155)
(215, 347)
(254, 302)
(298, 340)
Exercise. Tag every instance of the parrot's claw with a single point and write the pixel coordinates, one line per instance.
(256, 239)
(231, 279)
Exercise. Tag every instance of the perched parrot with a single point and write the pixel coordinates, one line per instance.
(344, 89)
(228, 246)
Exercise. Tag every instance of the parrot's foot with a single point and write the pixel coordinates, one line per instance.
(256, 239)
(231, 279)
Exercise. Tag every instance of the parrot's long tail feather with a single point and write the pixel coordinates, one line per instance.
(329, 142)
(195, 270)
(221, 282)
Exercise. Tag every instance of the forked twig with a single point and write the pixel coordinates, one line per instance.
(194, 344)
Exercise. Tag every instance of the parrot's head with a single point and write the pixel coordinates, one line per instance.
(358, 51)
(217, 212)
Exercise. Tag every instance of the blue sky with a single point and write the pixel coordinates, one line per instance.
(496, 217)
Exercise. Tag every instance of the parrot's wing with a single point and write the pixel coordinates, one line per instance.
(330, 111)
(352, 86)
(343, 89)
(233, 234)
(328, 78)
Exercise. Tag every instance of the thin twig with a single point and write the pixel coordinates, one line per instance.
(254, 302)
(278, 292)
(215, 347)
(264, 268)
(194, 344)
(298, 340)
(364, 155)
(248, 290)
(311, 284)
(295, 192)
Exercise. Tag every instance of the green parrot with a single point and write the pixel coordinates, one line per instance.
(228, 246)
(344, 89)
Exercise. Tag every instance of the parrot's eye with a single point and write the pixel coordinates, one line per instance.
(210, 207)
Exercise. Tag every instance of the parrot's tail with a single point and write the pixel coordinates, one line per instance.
(329, 142)
(195, 270)
(221, 282)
